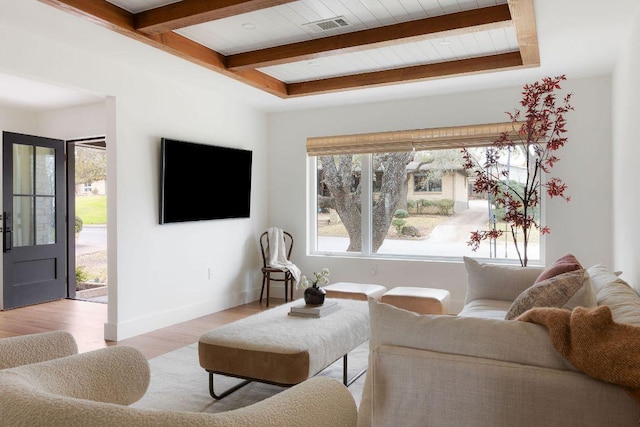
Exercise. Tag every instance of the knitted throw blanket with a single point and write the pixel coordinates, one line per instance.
(277, 256)
(592, 342)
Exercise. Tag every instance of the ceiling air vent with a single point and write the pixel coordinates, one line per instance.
(327, 24)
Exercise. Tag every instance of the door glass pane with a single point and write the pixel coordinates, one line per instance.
(45, 171)
(23, 221)
(45, 220)
(22, 169)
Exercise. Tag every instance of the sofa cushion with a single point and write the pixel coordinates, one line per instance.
(561, 265)
(517, 342)
(498, 282)
(487, 308)
(623, 301)
(601, 276)
(552, 292)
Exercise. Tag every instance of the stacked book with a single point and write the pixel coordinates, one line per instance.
(304, 310)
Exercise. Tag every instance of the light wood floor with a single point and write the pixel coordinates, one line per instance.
(85, 320)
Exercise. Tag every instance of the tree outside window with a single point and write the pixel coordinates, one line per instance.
(91, 165)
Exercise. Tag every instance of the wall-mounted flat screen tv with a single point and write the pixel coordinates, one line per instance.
(202, 182)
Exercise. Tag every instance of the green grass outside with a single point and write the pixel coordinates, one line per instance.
(92, 209)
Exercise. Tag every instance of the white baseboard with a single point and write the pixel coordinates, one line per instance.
(131, 328)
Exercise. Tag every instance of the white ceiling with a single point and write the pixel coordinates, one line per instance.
(298, 21)
(28, 94)
(579, 38)
(298, 48)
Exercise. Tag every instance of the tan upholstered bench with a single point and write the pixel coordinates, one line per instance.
(276, 348)
(357, 291)
(419, 300)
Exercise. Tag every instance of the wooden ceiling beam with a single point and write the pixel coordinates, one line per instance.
(407, 75)
(101, 12)
(518, 12)
(107, 15)
(412, 31)
(192, 12)
(524, 19)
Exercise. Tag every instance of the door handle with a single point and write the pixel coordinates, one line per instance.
(7, 241)
(7, 235)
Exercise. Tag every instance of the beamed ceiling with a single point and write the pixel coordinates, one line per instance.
(305, 47)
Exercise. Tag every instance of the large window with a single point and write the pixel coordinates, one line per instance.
(408, 203)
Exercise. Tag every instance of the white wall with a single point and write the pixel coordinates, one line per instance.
(74, 122)
(18, 120)
(582, 227)
(158, 275)
(626, 125)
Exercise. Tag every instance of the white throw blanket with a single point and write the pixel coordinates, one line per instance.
(277, 254)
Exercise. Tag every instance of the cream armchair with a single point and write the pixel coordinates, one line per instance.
(26, 349)
(45, 382)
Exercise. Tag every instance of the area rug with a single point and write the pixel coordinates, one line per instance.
(179, 383)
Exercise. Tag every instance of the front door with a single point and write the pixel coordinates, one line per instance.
(33, 220)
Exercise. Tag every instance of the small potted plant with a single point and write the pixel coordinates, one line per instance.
(313, 293)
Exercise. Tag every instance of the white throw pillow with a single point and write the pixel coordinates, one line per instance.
(585, 297)
(621, 298)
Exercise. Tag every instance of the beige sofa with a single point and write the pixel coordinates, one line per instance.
(477, 369)
(44, 382)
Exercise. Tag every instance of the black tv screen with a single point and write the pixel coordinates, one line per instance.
(202, 182)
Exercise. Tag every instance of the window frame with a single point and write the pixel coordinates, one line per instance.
(429, 181)
(367, 193)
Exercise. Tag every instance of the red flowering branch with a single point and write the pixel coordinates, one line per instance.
(537, 136)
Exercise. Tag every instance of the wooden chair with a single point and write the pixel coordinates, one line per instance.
(267, 271)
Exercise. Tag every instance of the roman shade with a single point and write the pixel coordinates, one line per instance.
(407, 140)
